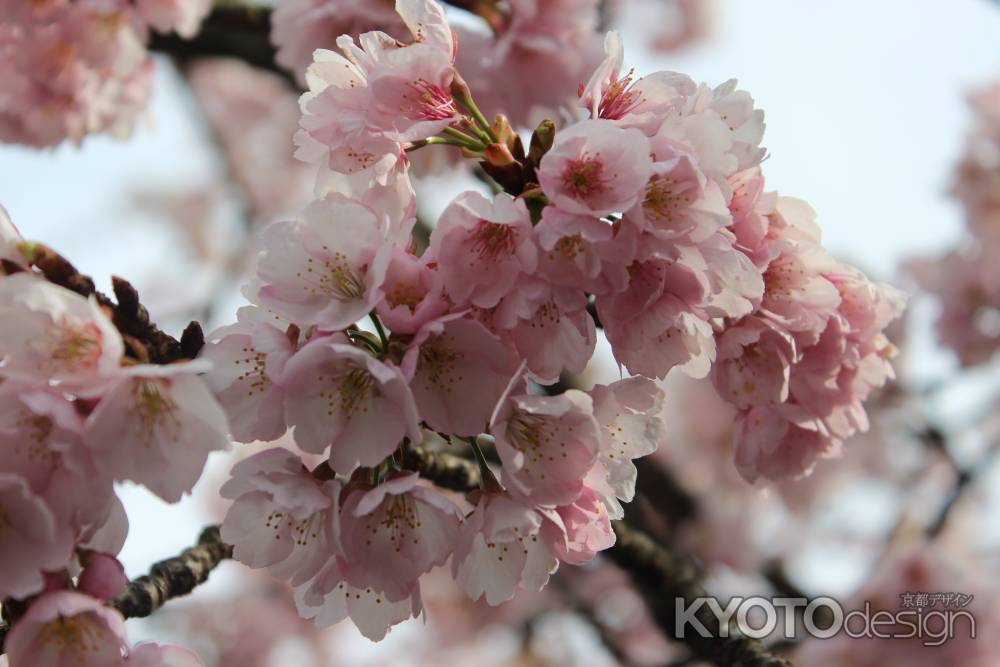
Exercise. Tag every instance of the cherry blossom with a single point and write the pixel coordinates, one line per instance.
(327, 267)
(500, 548)
(32, 540)
(596, 168)
(546, 443)
(156, 425)
(282, 518)
(629, 413)
(482, 248)
(459, 372)
(395, 532)
(341, 397)
(57, 335)
(247, 358)
(63, 628)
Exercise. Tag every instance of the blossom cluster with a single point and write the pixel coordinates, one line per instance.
(648, 211)
(75, 67)
(79, 410)
(965, 280)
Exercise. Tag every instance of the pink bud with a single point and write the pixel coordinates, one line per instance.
(103, 576)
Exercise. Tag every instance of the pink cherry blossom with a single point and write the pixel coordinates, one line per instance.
(156, 426)
(723, 129)
(769, 445)
(395, 532)
(546, 443)
(32, 540)
(327, 267)
(659, 321)
(587, 527)
(329, 598)
(383, 88)
(299, 27)
(596, 168)
(247, 358)
(40, 437)
(680, 202)
(754, 363)
(629, 413)
(282, 518)
(459, 371)
(70, 71)
(482, 248)
(341, 397)
(642, 104)
(500, 548)
(55, 334)
(413, 294)
(554, 333)
(103, 576)
(64, 628)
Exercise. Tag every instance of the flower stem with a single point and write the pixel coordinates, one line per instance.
(380, 329)
(467, 142)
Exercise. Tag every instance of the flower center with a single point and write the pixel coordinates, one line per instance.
(398, 517)
(438, 361)
(619, 99)
(491, 240)
(664, 198)
(405, 294)
(337, 278)
(427, 101)
(154, 411)
(73, 637)
(352, 387)
(255, 363)
(584, 177)
(73, 346)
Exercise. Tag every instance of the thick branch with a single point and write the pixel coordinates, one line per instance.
(664, 577)
(174, 577)
(234, 32)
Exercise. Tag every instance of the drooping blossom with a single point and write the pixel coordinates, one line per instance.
(546, 443)
(394, 533)
(156, 425)
(459, 371)
(503, 545)
(282, 517)
(341, 397)
(247, 359)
